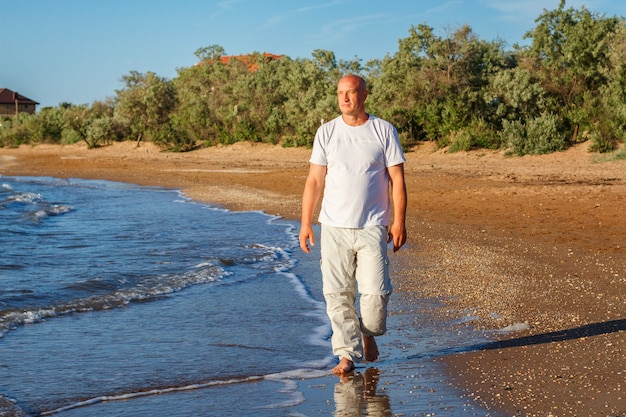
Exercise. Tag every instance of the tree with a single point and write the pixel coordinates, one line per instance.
(99, 127)
(569, 50)
(433, 86)
(51, 124)
(610, 125)
(211, 53)
(195, 89)
(74, 123)
(309, 89)
(144, 105)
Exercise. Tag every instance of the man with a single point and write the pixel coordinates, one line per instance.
(356, 159)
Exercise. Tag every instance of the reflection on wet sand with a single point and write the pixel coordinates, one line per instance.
(356, 396)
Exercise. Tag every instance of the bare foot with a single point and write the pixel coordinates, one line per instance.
(345, 367)
(370, 348)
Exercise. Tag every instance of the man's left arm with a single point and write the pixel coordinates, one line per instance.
(397, 232)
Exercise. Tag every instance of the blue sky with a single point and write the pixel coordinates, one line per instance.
(76, 51)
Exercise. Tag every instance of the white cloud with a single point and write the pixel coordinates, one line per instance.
(341, 30)
(289, 14)
(227, 4)
(448, 5)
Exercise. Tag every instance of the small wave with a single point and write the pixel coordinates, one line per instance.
(38, 215)
(288, 378)
(58, 209)
(279, 258)
(147, 393)
(48, 210)
(31, 205)
(12, 319)
(25, 198)
(151, 288)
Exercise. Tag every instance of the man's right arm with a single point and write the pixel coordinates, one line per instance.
(310, 197)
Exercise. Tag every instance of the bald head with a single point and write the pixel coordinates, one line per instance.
(351, 78)
(351, 95)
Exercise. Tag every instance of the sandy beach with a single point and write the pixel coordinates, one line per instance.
(533, 244)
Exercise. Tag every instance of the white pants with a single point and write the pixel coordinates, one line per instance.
(351, 258)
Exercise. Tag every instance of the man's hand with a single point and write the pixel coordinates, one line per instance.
(311, 195)
(397, 234)
(306, 236)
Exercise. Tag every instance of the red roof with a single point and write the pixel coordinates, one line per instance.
(9, 97)
(246, 59)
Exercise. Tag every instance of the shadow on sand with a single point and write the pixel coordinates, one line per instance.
(588, 330)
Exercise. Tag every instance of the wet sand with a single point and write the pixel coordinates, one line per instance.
(534, 244)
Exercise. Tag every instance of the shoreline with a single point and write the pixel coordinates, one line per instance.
(535, 243)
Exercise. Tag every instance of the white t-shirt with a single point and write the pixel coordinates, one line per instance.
(356, 192)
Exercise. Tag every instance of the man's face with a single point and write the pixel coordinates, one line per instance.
(351, 96)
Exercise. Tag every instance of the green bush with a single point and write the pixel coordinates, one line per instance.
(540, 135)
(297, 141)
(19, 130)
(70, 136)
(607, 135)
(460, 141)
(172, 139)
(477, 135)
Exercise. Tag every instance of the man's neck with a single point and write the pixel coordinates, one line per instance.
(357, 120)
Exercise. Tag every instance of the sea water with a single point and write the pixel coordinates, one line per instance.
(117, 299)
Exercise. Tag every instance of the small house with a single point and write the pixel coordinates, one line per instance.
(12, 103)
